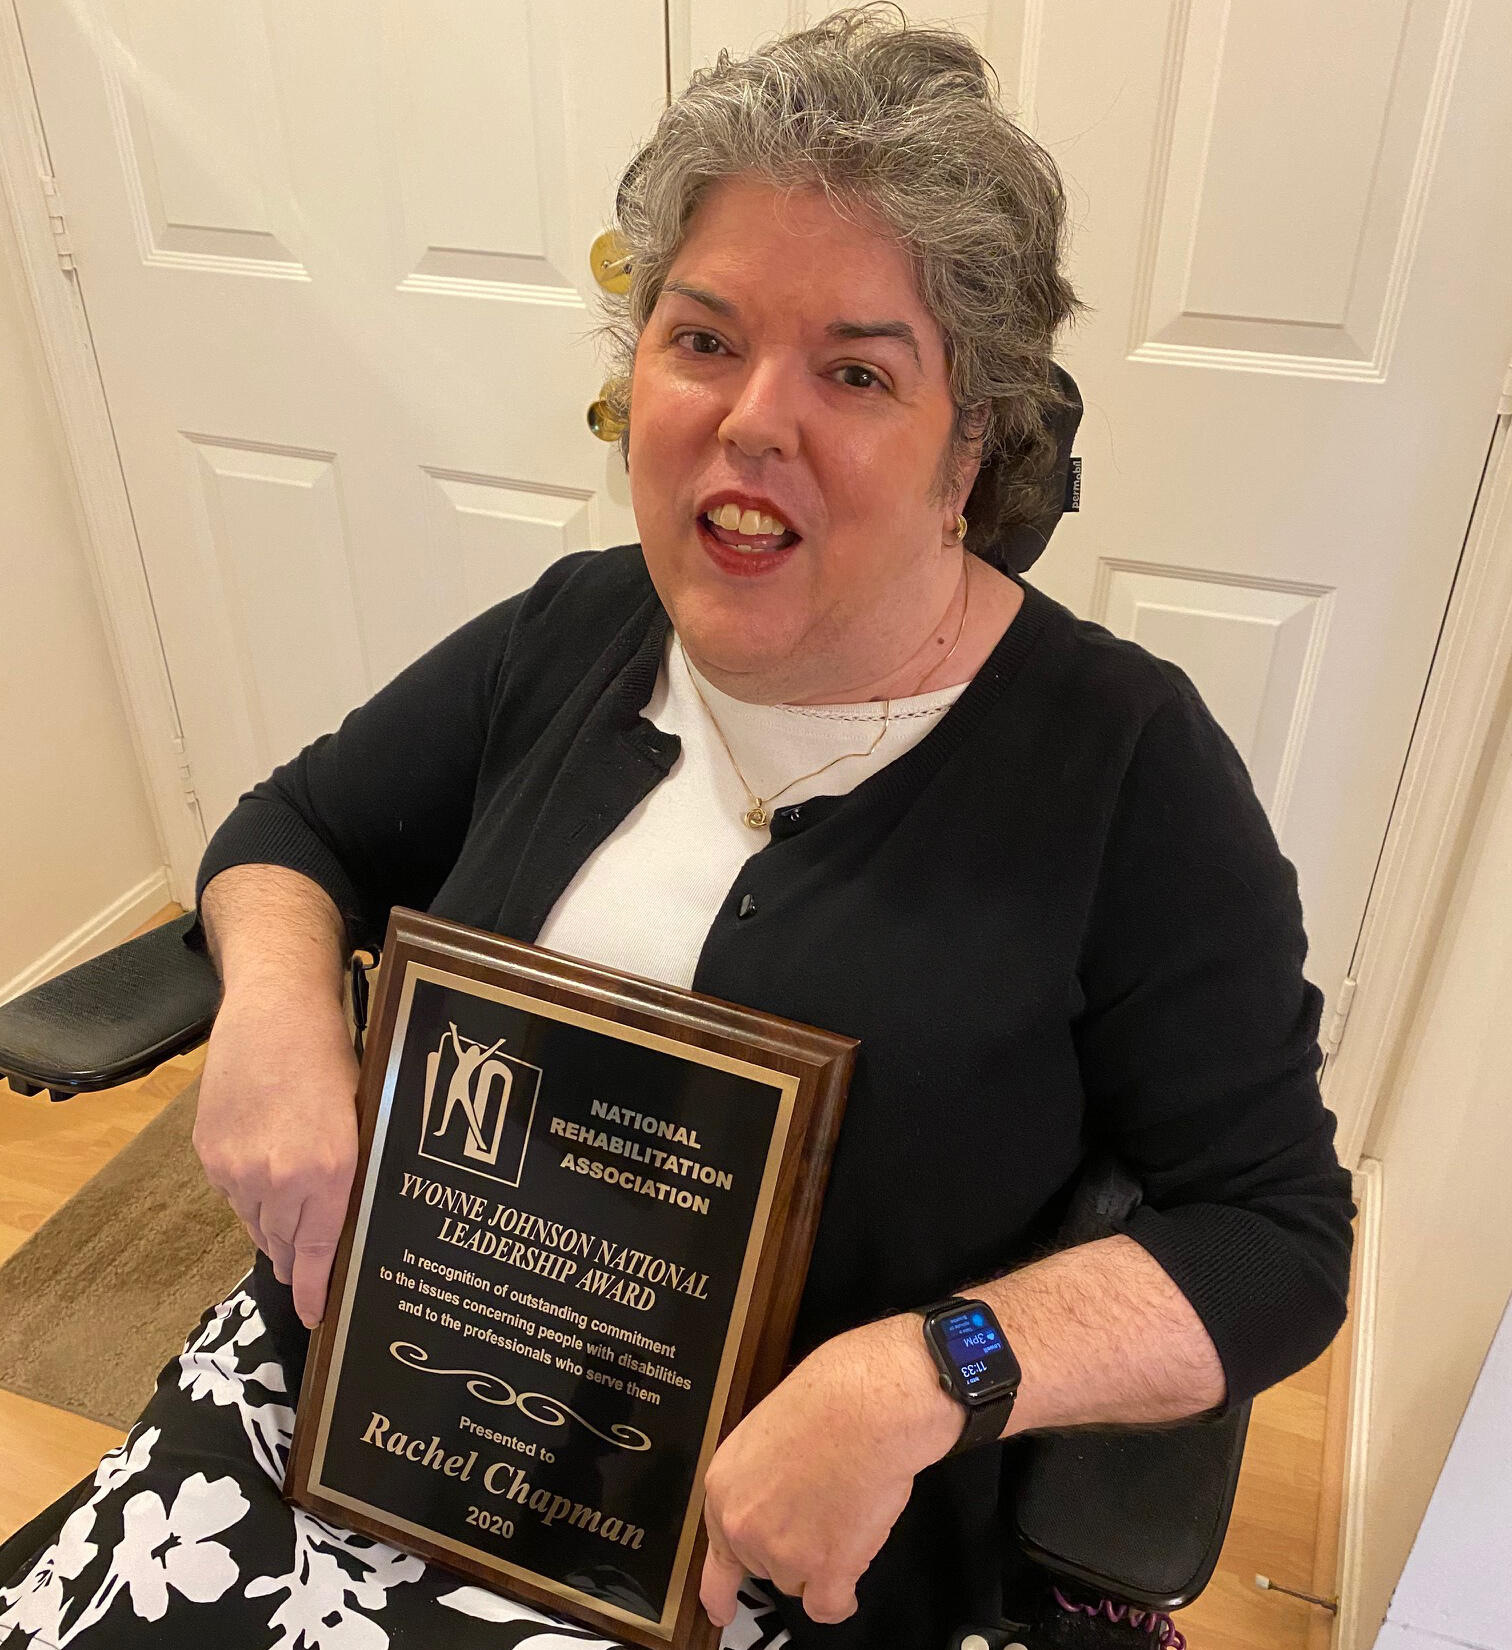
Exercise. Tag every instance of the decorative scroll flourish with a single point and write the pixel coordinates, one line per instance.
(494, 1389)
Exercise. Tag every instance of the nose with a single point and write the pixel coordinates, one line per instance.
(763, 419)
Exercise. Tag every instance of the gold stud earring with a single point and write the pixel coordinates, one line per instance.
(960, 529)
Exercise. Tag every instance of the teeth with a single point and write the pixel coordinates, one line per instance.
(753, 523)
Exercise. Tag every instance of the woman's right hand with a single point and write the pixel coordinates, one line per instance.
(276, 1128)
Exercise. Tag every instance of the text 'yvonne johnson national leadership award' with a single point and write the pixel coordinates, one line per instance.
(582, 1214)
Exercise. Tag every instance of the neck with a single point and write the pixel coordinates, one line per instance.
(969, 609)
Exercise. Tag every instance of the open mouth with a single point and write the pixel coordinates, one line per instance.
(746, 532)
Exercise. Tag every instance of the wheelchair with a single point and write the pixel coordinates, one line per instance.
(1113, 1529)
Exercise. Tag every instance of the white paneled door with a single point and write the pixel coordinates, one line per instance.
(1292, 221)
(335, 261)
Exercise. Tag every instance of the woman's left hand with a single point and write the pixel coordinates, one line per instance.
(805, 1490)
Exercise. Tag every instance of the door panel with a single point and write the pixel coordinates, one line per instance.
(335, 260)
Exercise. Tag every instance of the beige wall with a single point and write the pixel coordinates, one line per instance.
(1445, 1146)
(79, 855)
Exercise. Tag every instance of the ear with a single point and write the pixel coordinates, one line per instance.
(971, 431)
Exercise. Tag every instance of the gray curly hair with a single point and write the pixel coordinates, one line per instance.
(902, 122)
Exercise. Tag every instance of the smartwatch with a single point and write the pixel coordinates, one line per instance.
(976, 1366)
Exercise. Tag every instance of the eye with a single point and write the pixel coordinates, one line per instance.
(866, 378)
(695, 339)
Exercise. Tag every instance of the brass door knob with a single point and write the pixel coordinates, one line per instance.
(610, 262)
(605, 423)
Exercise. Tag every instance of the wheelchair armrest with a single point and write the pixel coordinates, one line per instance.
(112, 1018)
(1137, 1515)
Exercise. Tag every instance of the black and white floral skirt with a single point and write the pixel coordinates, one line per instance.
(183, 1539)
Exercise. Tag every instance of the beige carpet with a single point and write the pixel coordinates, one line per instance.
(101, 1296)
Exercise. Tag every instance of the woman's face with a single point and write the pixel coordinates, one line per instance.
(791, 370)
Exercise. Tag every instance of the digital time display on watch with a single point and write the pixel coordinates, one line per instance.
(972, 1353)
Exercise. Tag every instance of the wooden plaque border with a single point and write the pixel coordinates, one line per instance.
(819, 1061)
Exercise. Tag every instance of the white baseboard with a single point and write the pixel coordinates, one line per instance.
(1350, 1632)
(103, 930)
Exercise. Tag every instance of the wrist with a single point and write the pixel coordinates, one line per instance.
(290, 1034)
(925, 1421)
(263, 992)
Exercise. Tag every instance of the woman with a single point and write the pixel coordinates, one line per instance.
(806, 748)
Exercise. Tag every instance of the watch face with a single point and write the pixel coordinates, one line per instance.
(972, 1345)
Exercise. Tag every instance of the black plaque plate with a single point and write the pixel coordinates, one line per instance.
(580, 1223)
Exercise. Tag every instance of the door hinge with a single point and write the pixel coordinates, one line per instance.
(1340, 1017)
(186, 777)
(58, 222)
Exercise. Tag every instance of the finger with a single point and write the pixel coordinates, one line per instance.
(828, 1600)
(248, 1212)
(722, 1575)
(312, 1277)
(792, 1576)
(314, 1250)
(281, 1252)
(279, 1219)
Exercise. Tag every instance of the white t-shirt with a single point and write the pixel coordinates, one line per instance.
(646, 897)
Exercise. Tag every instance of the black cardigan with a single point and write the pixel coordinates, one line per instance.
(1059, 922)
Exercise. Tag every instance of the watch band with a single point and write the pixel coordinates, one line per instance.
(984, 1424)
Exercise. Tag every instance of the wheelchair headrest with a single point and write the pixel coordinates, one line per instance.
(1021, 546)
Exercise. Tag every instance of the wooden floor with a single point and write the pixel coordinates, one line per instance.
(47, 1151)
(1285, 1523)
(1285, 1517)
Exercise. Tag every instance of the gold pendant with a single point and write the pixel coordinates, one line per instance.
(757, 817)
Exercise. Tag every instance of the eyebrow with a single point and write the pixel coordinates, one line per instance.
(836, 329)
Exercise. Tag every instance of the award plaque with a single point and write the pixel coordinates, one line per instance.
(579, 1228)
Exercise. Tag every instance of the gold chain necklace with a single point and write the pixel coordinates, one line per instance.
(759, 815)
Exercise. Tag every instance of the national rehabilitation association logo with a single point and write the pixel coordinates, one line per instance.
(478, 1108)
